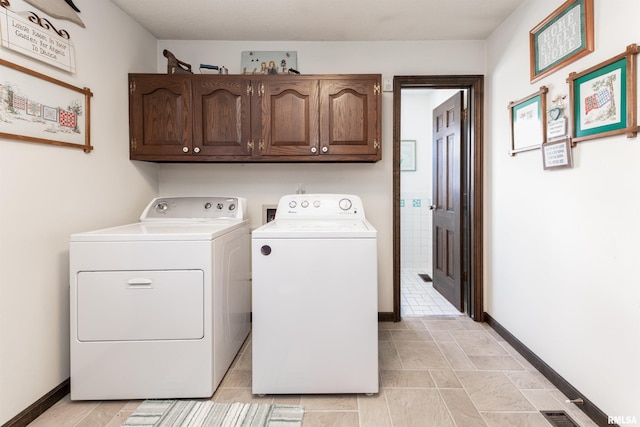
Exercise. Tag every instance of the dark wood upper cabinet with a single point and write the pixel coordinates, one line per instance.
(249, 118)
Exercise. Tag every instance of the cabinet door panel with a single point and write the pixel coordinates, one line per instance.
(160, 115)
(222, 119)
(289, 117)
(349, 115)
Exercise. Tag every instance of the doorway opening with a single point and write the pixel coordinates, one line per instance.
(419, 297)
(470, 193)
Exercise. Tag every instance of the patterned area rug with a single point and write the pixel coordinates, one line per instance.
(196, 413)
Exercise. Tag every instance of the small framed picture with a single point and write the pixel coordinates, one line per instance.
(557, 154)
(528, 121)
(408, 155)
(603, 98)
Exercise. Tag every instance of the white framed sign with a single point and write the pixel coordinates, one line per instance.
(36, 37)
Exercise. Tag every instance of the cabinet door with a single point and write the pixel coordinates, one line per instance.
(350, 116)
(222, 119)
(288, 121)
(159, 115)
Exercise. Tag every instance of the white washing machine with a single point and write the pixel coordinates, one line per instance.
(315, 298)
(160, 308)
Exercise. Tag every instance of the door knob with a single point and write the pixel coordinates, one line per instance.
(432, 207)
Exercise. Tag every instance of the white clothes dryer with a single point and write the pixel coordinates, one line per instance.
(160, 308)
(315, 298)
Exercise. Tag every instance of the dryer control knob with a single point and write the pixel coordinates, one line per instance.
(161, 207)
(345, 204)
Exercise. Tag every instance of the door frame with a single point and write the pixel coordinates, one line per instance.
(472, 186)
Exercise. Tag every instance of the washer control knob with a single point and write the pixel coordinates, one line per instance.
(219, 206)
(316, 204)
(345, 204)
(161, 207)
(304, 204)
(232, 207)
(292, 204)
(265, 250)
(207, 205)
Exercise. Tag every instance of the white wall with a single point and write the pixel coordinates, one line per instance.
(264, 184)
(47, 193)
(561, 246)
(416, 186)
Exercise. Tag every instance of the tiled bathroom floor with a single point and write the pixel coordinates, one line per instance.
(419, 298)
(434, 371)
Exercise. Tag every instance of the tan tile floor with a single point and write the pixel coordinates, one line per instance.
(434, 371)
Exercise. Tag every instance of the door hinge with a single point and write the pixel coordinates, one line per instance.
(464, 276)
(134, 144)
(465, 114)
(132, 88)
(376, 144)
(376, 89)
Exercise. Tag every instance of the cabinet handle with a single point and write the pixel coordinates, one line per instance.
(185, 149)
(314, 149)
(250, 145)
(325, 149)
(249, 90)
(261, 91)
(261, 144)
(196, 150)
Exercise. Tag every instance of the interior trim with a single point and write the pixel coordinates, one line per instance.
(40, 406)
(474, 197)
(588, 407)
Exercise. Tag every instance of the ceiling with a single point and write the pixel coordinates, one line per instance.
(319, 20)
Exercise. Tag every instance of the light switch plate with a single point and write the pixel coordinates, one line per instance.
(387, 84)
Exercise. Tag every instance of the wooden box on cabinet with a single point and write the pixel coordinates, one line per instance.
(249, 118)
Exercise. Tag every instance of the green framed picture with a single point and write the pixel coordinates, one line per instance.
(528, 124)
(408, 155)
(603, 98)
(563, 37)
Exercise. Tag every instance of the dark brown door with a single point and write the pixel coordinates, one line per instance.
(222, 122)
(447, 212)
(288, 117)
(349, 116)
(160, 115)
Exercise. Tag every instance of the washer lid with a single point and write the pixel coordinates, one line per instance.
(162, 231)
(316, 228)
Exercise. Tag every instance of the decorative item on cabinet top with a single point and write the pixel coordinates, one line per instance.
(255, 118)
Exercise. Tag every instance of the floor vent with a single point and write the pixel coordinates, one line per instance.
(425, 277)
(559, 419)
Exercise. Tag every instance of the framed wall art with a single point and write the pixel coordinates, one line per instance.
(563, 37)
(37, 108)
(268, 62)
(557, 154)
(408, 155)
(527, 117)
(603, 98)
